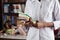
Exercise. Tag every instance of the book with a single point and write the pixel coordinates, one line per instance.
(6, 8)
(8, 17)
(17, 8)
(23, 7)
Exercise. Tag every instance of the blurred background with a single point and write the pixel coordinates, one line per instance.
(12, 18)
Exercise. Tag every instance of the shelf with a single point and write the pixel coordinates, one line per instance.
(13, 37)
(11, 14)
(14, 2)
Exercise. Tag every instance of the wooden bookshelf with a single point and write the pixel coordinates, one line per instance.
(11, 2)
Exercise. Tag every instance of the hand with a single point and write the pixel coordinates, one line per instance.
(59, 28)
(40, 25)
(29, 23)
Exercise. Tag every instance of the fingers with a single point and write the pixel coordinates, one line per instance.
(40, 25)
(37, 24)
(29, 22)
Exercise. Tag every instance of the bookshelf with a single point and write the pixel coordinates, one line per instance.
(11, 10)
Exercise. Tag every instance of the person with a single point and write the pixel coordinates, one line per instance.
(7, 25)
(8, 28)
(20, 28)
(47, 12)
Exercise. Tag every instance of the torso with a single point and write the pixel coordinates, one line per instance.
(44, 13)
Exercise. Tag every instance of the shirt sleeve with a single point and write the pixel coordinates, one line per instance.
(56, 15)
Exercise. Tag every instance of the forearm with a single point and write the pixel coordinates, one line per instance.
(22, 31)
(44, 24)
(40, 24)
(48, 24)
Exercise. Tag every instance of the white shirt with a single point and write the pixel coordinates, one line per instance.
(46, 11)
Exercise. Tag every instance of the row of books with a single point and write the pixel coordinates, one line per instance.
(13, 19)
(14, 8)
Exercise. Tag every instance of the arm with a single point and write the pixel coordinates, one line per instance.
(56, 22)
(57, 15)
(45, 24)
(22, 31)
(29, 11)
